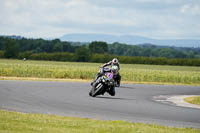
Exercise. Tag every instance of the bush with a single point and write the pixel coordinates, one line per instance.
(81, 56)
(1, 54)
(101, 58)
(11, 48)
(64, 56)
(26, 55)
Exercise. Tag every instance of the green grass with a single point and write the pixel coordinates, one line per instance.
(193, 100)
(129, 72)
(13, 122)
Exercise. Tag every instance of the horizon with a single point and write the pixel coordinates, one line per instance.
(97, 34)
(135, 40)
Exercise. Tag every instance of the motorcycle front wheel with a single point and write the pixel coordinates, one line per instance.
(96, 90)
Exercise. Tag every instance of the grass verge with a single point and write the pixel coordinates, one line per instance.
(13, 122)
(193, 100)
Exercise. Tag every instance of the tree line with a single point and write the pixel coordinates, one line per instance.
(97, 51)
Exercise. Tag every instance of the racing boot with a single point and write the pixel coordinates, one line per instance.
(117, 81)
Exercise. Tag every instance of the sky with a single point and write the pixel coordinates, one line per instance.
(158, 19)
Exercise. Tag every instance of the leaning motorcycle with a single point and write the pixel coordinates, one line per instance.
(104, 83)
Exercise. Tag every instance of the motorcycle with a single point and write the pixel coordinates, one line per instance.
(104, 83)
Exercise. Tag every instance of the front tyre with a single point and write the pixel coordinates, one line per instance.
(90, 93)
(96, 90)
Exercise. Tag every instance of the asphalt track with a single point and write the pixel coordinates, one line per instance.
(133, 102)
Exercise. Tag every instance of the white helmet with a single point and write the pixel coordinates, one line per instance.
(115, 61)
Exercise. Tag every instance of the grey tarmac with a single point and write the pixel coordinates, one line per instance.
(133, 102)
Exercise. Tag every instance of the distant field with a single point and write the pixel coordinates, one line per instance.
(72, 70)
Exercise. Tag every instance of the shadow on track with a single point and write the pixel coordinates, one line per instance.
(103, 97)
(126, 87)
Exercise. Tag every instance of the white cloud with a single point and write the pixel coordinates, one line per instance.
(48, 18)
(193, 9)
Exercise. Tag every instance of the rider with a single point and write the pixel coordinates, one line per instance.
(111, 63)
(115, 62)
